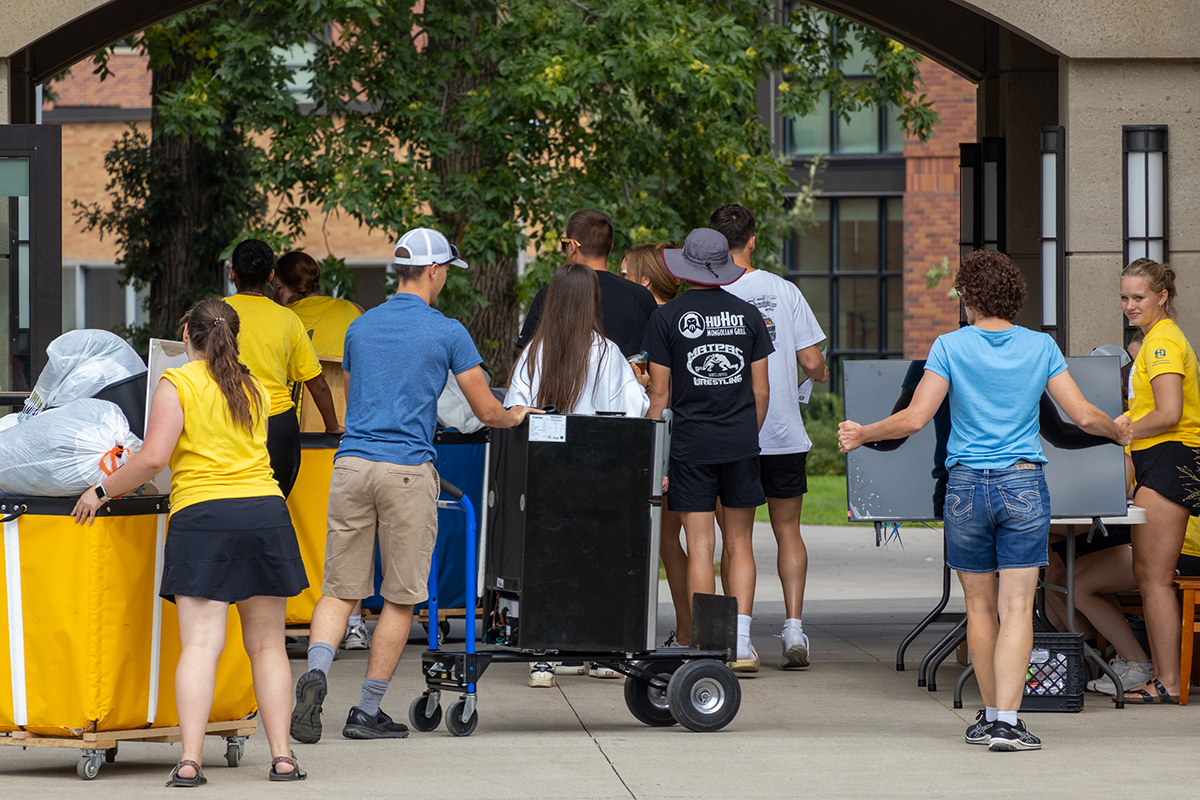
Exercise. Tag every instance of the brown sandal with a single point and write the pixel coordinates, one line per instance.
(295, 775)
(196, 780)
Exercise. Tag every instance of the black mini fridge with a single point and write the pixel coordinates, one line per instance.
(573, 515)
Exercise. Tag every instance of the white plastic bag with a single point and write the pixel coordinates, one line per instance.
(58, 453)
(80, 364)
(453, 410)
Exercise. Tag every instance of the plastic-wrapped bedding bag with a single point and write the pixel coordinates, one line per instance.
(63, 451)
(80, 364)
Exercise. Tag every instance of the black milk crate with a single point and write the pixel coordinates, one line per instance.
(1057, 673)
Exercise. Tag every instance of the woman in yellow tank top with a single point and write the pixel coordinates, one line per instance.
(297, 285)
(1164, 406)
(229, 536)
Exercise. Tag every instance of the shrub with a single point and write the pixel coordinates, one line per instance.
(821, 418)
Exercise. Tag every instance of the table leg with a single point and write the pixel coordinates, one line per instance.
(931, 616)
(933, 659)
(1088, 651)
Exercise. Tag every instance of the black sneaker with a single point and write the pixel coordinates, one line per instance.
(1007, 737)
(981, 731)
(306, 716)
(360, 725)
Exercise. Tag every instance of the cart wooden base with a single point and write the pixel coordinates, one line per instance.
(444, 617)
(99, 747)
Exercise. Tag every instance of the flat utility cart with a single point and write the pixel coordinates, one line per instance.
(571, 574)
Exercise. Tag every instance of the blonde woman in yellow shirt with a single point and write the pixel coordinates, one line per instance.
(1164, 406)
(275, 346)
(229, 536)
(297, 285)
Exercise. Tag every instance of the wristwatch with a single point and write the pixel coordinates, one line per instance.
(100, 493)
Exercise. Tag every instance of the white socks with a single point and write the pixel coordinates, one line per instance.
(989, 714)
(792, 623)
(744, 649)
(354, 621)
(1007, 716)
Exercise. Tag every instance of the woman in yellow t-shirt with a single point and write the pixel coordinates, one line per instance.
(1164, 406)
(297, 285)
(229, 536)
(275, 346)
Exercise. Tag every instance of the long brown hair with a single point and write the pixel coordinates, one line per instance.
(213, 328)
(646, 262)
(570, 319)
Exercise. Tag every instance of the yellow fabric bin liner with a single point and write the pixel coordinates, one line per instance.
(85, 641)
(309, 506)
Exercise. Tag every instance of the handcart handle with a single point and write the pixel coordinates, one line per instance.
(452, 490)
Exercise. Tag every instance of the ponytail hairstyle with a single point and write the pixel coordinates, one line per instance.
(300, 272)
(213, 328)
(571, 319)
(1159, 277)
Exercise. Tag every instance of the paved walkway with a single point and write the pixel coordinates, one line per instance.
(849, 726)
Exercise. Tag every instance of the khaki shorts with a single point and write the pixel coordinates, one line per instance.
(396, 504)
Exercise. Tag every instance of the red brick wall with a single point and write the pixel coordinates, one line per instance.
(931, 209)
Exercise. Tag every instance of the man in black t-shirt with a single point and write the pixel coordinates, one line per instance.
(708, 358)
(626, 305)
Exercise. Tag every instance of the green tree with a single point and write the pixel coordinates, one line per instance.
(488, 120)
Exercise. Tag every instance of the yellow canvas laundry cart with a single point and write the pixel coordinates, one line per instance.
(309, 507)
(101, 667)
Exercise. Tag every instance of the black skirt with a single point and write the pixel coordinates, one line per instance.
(232, 550)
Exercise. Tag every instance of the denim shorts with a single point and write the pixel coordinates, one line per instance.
(997, 518)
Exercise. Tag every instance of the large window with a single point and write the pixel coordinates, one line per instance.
(850, 269)
(93, 297)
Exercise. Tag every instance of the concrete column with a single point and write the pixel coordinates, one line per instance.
(1096, 98)
(4, 91)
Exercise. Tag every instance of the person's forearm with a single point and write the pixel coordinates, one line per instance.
(1097, 423)
(658, 403)
(897, 426)
(1154, 423)
(136, 471)
(323, 398)
(761, 402)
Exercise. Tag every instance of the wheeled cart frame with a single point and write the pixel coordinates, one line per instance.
(100, 747)
(693, 687)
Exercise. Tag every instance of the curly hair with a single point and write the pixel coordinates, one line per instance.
(991, 285)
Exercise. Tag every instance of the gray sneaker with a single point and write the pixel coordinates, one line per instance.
(306, 716)
(1007, 737)
(357, 637)
(981, 731)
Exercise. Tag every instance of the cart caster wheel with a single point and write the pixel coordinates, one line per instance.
(89, 767)
(443, 631)
(417, 718)
(704, 695)
(647, 704)
(454, 722)
(110, 755)
(233, 754)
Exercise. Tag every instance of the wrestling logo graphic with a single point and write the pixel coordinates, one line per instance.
(716, 365)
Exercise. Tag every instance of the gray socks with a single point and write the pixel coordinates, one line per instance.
(372, 695)
(320, 656)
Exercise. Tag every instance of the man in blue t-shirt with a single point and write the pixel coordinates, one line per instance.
(384, 487)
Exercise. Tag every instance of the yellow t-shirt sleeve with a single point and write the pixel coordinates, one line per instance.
(304, 364)
(1165, 358)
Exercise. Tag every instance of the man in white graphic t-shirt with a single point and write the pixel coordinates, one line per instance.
(783, 442)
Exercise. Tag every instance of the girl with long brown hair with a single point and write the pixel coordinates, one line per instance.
(568, 363)
(229, 536)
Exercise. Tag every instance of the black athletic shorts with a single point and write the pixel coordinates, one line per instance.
(1117, 535)
(695, 487)
(1188, 566)
(783, 475)
(1167, 468)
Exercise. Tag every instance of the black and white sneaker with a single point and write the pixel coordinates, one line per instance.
(1007, 737)
(981, 731)
(361, 725)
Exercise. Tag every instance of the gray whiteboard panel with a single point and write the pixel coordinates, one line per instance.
(899, 485)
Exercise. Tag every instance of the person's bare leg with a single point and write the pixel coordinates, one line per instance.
(1099, 575)
(391, 634)
(202, 625)
(983, 627)
(737, 537)
(792, 560)
(329, 620)
(720, 518)
(1056, 602)
(263, 621)
(675, 563)
(698, 527)
(1156, 546)
(1014, 641)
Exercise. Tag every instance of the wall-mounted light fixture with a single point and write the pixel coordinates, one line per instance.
(982, 196)
(1145, 187)
(1053, 234)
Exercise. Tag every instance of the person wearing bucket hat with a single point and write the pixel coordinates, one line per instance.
(708, 359)
(398, 357)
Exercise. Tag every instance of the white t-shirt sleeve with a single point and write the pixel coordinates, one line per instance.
(520, 392)
(807, 330)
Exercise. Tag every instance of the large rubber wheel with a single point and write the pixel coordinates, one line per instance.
(647, 704)
(417, 718)
(704, 695)
(89, 767)
(454, 722)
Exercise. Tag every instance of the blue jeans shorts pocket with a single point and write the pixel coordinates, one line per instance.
(1022, 501)
(959, 502)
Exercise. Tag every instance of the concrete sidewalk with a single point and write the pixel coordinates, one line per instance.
(849, 726)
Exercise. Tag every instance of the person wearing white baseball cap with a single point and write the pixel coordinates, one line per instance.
(384, 488)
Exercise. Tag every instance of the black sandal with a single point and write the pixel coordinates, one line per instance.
(1164, 698)
(196, 780)
(295, 775)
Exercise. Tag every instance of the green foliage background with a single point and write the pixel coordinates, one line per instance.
(821, 418)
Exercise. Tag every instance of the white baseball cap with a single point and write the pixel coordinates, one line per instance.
(422, 247)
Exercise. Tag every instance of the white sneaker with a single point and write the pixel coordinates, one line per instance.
(568, 669)
(1131, 674)
(541, 676)
(599, 671)
(795, 649)
(357, 637)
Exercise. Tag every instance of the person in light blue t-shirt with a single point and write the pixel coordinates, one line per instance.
(997, 510)
(384, 488)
